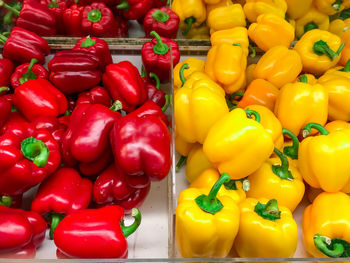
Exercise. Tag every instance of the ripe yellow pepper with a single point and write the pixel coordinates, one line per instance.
(323, 159)
(319, 51)
(337, 126)
(313, 19)
(221, 3)
(206, 225)
(300, 103)
(254, 8)
(228, 144)
(226, 17)
(201, 32)
(345, 54)
(279, 65)
(181, 146)
(298, 8)
(226, 65)
(194, 65)
(270, 31)
(266, 230)
(329, 7)
(339, 26)
(197, 162)
(326, 224)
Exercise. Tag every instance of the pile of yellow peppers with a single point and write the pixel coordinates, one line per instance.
(259, 138)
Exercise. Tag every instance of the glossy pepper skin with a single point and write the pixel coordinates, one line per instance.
(95, 233)
(162, 20)
(156, 56)
(134, 9)
(124, 83)
(22, 46)
(203, 220)
(271, 30)
(5, 109)
(196, 163)
(151, 108)
(258, 218)
(6, 69)
(329, 7)
(73, 71)
(96, 95)
(279, 66)
(339, 26)
(154, 93)
(194, 64)
(254, 8)
(298, 8)
(231, 36)
(313, 19)
(72, 20)
(337, 125)
(57, 7)
(325, 226)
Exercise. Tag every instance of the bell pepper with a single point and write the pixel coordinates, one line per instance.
(337, 125)
(162, 20)
(298, 8)
(345, 54)
(313, 19)
(156, 56)
(124, 83)
(95, 233)
(275, 223)
(112, 187)
(206, 224)
(311, 79)
(57, 7)
(123, 26)
(249, 73)
(319, 50)
(270, 31)
(150, 108)
(91, 169)
(254, 8)
(182, 147)
(96, 46)
(192, 13)
(16, 124)
(6, 69)
(159, 3)
(194, 64)
(329, 7)
(201, 32)
(226, 65)
(72, 17)
(5, 109)
(73, 71)
(231, 36)
(27, 72)
(279, 65)
(226, 17)
(224, 144)
(133, 10)
(154, 93)
(328, 150)
(196, 163)
(221, 3)
(22, 46)
(97, 95)
(338, 26)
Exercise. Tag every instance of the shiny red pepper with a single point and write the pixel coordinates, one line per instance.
(22, 46)
(39, 97)
(28, 71)
(97, 95)
(123, 27)
(73, 71)
(6, 69)
(163, 21)
(95, 233)
(150, 108)
(57, 7)
(134, 9)
(63, 193)
(5, 110)
(97, 166)
(72, 20)
(124, 83)
(156, 56)
(16, 124)
(154, 93)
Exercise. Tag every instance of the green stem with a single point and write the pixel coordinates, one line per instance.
(236, 94)
(291, 151)
(303, 78)
(10, 8)
(337, 4)
(117, 105)
(6, 200)
(347, 66)
(155, 77)
(181, 73)
(56, 218)
(231, 185)
(88, 42)
(160, 16)
(230, 104)
(143, 72)
(269, 210)
(180, 163)
(310, 26)
(188, 21)
(29, 74)
(167, 103)
(14, 109)
(160, 48)
(53, 4)
(254, 113)
(3, 39)
(36, 151)
(333, 248)
(210, 203)
(307, 129)
(94, 15)
(128, 230)
(124, 4)
(2, 89)
(282, 170)
(252, 50)
(321, 48)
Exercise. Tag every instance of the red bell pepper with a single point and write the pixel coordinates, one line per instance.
(39, 97)
(109, 3)
(73, 71)
(28, 71)
(123, 27)
(26, 252)
(96, 233)
(124, 83)
(57, 7)
(16, 124)
(134, 9)
(97, 95)
(22, 46)
(159, 3)
(156, 56)
(6, 69)
(163, 21)
(95, 167)
(63, 193)
(5, 110)
(98, 20)
(153, 91)
(150, 108)
(72, 17)
(96, 46)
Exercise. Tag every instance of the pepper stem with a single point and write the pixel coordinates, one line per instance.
(2, 89)
(210, 203)
(35, 150)
(167, 102)
(6, 200)
(181, 72)
(231, 185)
(160, 48)
(124, 4)
(94, 15)
(310, 26)
(128, 230)
(3, 39)
(88, 42)
(333, 248)
(53, 4)
(347, 66)
(117, 105)
(180, 163)
(7, 19)
(282, 170)
(269, 210)
(10, 8)
(56, 218)
(29, 74)
(337, 4)
(160, 16)
(143, 72)
(155, 77)
(254, 113)
(307, 129)
(291, 151)
(236, 94)
(188, 21)
(303, 78)
(252, 50)
(321, 48)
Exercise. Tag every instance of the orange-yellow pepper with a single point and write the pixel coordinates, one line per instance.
(329, 7)
(345, 54)
(221, 3)
(196, 163)
(254, 8)
(339, 26)
(194, 65)
(313, 19)
(298, 8)
(279, 65)
(270, 31)
(337, 125)
(249, 73)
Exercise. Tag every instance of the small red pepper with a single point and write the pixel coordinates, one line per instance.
(57, 7)
(22, 46)
(39, 97)
(96, 233)
(123, 27)
(162, 20)
(97, 95)
(72, 17)
(154, 93)
(73, 71)
(28, 71)
(134, 9)
(6, 69)
(156, 56)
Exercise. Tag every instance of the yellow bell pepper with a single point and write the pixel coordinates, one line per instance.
(211, 2)
(221, 3)
(337, 126)
(345, 54)
(197, 106)
(194, 64)
(270, 31)
(228, 144)
(197, 162)
(300, 103)
(254, 8)
(226, 17)
(235, 189)
(201, 32)
(181, 146)
(298, 8)
(192, 13)
(206, 225)
(279, 65)
(326, 226)
(319, 51)
(339, 26)
(266, 230)
(329, 7)
(313, 19)
(249, 73)
(226, 65)
(323, 159)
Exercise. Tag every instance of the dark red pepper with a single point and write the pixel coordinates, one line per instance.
(95, 233)
(72, 17)
(57, 7)
(162, 20)
(123, 27)
(134, 9)
(154, 93)
(6, 69)
(97, 95)
(5, 110)
(159, 3)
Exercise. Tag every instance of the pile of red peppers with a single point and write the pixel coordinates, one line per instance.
(89, 133)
